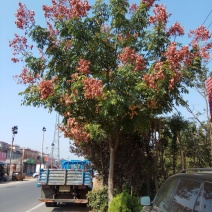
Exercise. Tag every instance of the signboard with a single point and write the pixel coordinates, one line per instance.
(31, 161)
(3, 156)
(209, 92)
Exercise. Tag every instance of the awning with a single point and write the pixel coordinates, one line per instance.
(2, 163)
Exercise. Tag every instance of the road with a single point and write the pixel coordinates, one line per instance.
(22, 196)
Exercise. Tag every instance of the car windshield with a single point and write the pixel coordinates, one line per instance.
(165, 194)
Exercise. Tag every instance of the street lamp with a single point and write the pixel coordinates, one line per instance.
(52, 155)
(14, 131)
(41, 157)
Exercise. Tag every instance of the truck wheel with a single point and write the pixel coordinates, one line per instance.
(48, 204)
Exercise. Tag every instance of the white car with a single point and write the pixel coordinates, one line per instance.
(35, 175)
(96, 174)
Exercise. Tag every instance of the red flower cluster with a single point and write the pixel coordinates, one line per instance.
(25, 77)
(200, 34)
(74, 77)
(19, 45)
(159, 71)
(176, 30)
(76, 131)
(25, 17)
(177, 57)
(66, 9)
(150, 80)
(129, 56)
(66, 99)
(139, 63)
(205, 51)
(92, 88)
(152, 104)
(45, 88)
(148, 2)
(83, 66)
(133, 8)
(133, 110)
(160, 16)
(53, 32)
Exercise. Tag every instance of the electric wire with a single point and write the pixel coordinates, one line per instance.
(209, 25)
(207, 17)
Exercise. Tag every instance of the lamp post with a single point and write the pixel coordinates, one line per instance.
(14, 131)
(41, 157)
(52, 155)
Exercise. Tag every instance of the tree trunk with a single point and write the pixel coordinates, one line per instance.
(182, 155)
(156, 183)
(112, 149)
(111, 175)
(173, 163)
(174, 156)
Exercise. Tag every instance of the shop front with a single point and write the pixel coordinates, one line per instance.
(29, 166)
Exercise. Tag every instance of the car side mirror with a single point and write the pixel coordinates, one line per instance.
(145, 200)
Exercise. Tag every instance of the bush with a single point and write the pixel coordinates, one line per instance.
(124, 202)
(98, 200)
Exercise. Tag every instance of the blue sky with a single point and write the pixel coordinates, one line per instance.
(30, 120)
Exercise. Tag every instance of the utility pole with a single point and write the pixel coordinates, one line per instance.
(41, 157)
(14, 131)
(52, 156)
(56, 141)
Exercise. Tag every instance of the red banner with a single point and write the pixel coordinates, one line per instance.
(209, 92)
(3, 156)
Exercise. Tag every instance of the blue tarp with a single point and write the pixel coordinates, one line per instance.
(75, 164)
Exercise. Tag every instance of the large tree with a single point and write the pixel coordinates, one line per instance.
(107, 69)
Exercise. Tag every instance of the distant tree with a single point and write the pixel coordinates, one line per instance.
(106, 69)
(97, 152)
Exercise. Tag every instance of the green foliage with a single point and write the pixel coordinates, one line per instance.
(124, 202)
(98, 199)
(95, 131)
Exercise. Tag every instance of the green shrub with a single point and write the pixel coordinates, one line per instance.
(124, 202)
(98, 200)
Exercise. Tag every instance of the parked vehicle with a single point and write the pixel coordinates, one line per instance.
(18, 176)
(190, 190)
(71, 183)
(35, 175)
(96, 174)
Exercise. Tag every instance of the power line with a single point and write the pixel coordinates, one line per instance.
(207, 17)
(209, 25)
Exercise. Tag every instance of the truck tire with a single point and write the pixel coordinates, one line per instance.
(48, 204)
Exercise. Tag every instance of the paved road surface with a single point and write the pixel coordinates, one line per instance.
(22, 196)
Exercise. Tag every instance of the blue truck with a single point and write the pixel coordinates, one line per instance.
(69, 184)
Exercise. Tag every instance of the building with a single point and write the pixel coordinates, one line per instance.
(3, 151)
(24, 160)
(29, 158)
(14, 157)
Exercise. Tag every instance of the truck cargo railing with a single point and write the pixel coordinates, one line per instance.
(64, 177)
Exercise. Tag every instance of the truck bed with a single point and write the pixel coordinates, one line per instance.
(65, 177)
